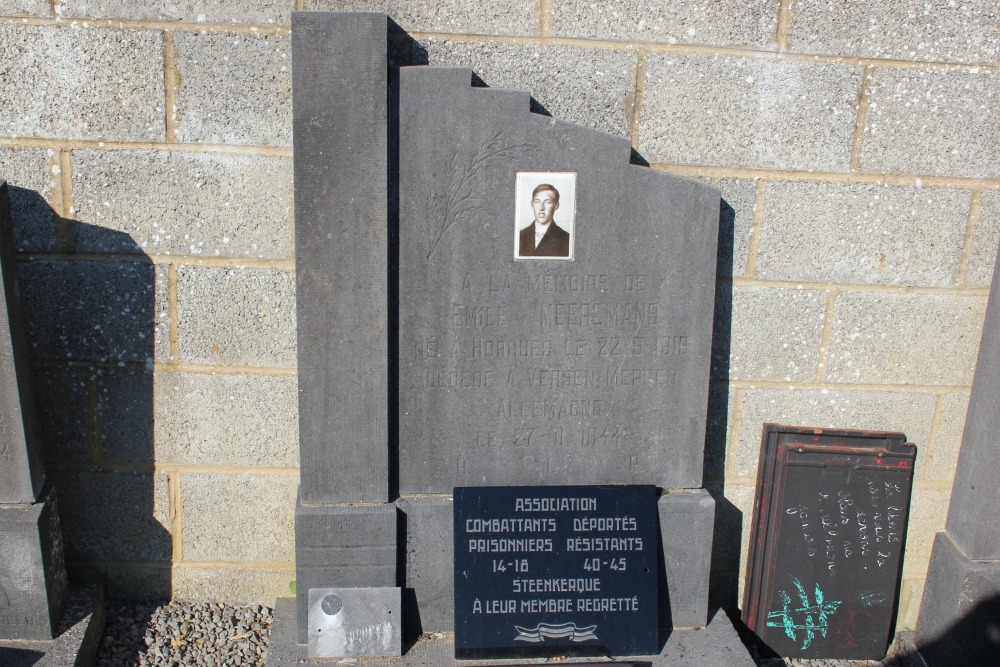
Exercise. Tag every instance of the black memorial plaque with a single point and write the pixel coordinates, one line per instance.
(542, 570)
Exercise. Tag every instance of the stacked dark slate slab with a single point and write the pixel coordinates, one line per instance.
(618, 397)
(959, 622)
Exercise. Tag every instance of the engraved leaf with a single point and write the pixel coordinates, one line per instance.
(460, 200)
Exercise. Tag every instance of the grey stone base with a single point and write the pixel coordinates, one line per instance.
(959, 622)
(32, 570)
(716, 645)
(79, 633)
(343, 546)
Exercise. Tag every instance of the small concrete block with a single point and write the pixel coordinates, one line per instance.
(223, 101)
(896, 30)
(774, 333)
(169, 203)
(591, 87)
(82, 83)
(236, 317)
(430, 563)
(123, 412)
(241, 11)
(959, 611)
(874, 410)
(88, 310)
(220, 419)
(231, 585)
(687, 521)
(876, 338)
(491, 17)
(25, 8)
(61, 405)
(33, 194)
(725, 23)
(344, 546)
(859, 233)
(114, 515)
(985, 237)
(238, 518)
(951, 423)
(932, 122)
(808, 124)
(739, 196)
(32, 570)
(354, 622)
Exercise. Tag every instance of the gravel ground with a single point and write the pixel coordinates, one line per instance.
(178, 633)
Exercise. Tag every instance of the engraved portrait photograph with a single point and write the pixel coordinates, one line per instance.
(545, 218)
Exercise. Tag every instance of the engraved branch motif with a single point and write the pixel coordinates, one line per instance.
(460, 200)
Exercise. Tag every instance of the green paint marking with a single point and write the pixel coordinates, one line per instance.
(809, 618)
(872, 598)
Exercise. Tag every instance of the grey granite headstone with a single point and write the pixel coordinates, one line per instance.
(32, 572)
(354, 622)
(555, 308)
(959, 621)
(589, 368)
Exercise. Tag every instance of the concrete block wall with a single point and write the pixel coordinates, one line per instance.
(857, 147)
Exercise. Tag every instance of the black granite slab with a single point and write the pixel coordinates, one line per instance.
(555, 570)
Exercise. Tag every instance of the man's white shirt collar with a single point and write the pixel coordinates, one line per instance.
(540, 231)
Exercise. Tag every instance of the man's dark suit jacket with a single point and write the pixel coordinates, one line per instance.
(555, 243)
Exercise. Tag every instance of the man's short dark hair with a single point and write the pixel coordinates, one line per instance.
(542, 188)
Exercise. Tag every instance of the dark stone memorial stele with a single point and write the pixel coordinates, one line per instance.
(33, 582)
(555, 570)
(959, 622)
(487, 297)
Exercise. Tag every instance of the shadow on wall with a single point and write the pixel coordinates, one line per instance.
(726, 543)
(91, 325)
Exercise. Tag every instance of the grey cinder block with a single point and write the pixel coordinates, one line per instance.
(911, 128)
(346, 546)
(83, 83)
(810, 126)
(223, 100)
(687, 521)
